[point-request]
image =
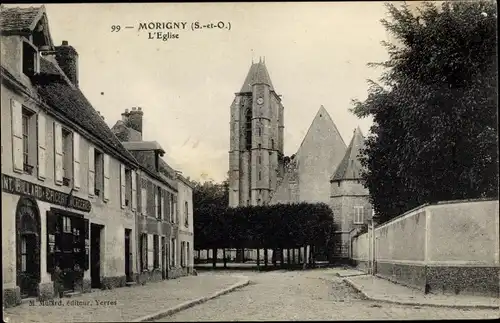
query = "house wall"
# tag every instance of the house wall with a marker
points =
(345, 196)
(109, 214)
(185, 194)
(449, 247)
(148, 223)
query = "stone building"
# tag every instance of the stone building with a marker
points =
(186, 229)
(158, 223)
(256, 140)
(62, 189)
(349, 198)
(309, 170)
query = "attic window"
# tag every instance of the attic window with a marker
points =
(31, 63)
(320, 115)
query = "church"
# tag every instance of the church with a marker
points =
(323, 170)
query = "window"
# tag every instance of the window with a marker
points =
(30, 59)
(99, 173)
(248, 126)
(260, 146)
(182, 253)
(156, 249)
(128, 187)
(172, 253)
(28, 140)
(186, 214)
(159, 199)
(358, 215)
(144, 200)
(260, 175)
(67, 152)
(272, 143)
(188, 254)
(260, 132)
(144, 251)
(24, 254)
(258, 159)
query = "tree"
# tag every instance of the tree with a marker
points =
(435, 110)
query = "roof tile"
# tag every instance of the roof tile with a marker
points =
(71, 102)
(18, 19)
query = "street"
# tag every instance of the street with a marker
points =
(308, 295)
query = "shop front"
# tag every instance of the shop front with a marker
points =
(66, 238)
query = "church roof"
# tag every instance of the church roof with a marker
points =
(350, 166)
(257, 74)
(316, 159)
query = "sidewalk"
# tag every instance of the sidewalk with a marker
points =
(128, 303)
(379, 289)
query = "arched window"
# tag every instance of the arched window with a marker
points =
(186, 214)
(248, 126)
(272, 144)
(260, 132)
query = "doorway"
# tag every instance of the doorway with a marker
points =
(163, 258)
(28, 246)
(128, 256)
(95, 255)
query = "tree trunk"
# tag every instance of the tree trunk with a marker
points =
(224, 257)
(282, 257)
(293, 256)
(300, 257)
(288, 256)
(214, 257)
(266, 255)
(274, 257)
(258, 258)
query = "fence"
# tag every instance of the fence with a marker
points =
(448, 247)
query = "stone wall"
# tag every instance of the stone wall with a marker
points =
(448, 247)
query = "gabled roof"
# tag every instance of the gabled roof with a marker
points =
(322, 113)
(350, 167)
(55, 89)
(257, 74)
(20, 19)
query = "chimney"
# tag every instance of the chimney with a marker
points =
(125, 116)
(67, 58)
(135, 119)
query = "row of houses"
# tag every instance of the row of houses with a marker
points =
(82, 204)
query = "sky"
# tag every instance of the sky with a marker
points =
(316, 54)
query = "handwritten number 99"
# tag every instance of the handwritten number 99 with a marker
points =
(115, 28)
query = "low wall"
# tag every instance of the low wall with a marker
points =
(448, 247)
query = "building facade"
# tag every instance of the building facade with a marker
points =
(349, 200)
(186, 229)
(62, 192)
(159, 226)
(256, 140)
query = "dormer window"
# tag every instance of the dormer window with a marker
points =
(31, 62)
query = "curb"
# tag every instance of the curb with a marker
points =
(351, 275)
(244, 282)
(357, 288)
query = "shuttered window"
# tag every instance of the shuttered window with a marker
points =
(42, 146)
(122, 186)
(58, 154)
(76, 161)
(107, 175)
(134, 190)
(17, 136)
(91, 175)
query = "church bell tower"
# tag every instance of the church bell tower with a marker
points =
(256, 140)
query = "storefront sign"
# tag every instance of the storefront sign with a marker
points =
(21, 187)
